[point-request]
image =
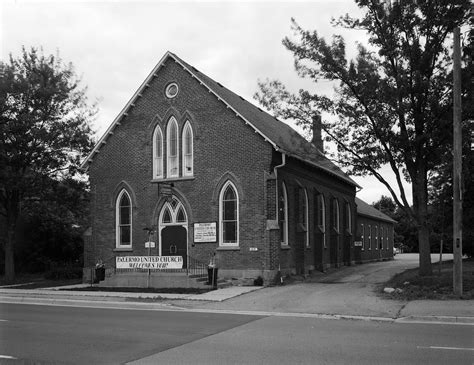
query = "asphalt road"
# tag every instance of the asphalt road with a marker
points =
(36, 334)
(71, 335)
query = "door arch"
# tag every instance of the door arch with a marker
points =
(173, 229)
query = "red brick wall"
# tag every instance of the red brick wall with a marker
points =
(222, 144)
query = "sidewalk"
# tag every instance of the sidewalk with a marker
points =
(348, 292)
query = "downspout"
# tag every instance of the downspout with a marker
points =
(275, 170)
(283, 157)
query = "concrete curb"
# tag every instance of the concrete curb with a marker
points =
(108, 304)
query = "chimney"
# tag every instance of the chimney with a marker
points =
(317, 141)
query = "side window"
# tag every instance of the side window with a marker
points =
(188, 157)
(283, 215)
(157, 153)
(321, 217)
(362, 235)
(229, 215)
(123, 225)
(303, 214)
(370, 236)
(172, 148)
(348, 218)
(335, 215)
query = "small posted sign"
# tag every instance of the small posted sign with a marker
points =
(205, 232)
(357, 243)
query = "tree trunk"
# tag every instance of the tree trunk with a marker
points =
(425, 250)
(420, 207)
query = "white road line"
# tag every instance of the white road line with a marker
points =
(446, 348)
(7, 357)
(3, 320)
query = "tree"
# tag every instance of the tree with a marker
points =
(44, 133)
(393, 101)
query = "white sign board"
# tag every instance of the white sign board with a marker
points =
(149, 262)
(205, 232)
(149, 244)
(358, 243)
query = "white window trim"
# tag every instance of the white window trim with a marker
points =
(172, 121)
(285, 222)
(370, 237)
(306, 218)
(221, 230)
(349, 218)
(376, 237)
(117, 220)
(187, 126)
(337, 217)
(323, 217)
(155, 157)
(362, 238)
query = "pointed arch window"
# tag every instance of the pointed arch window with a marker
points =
(157, 153)
(348, 218)
(123, 214)
(172, 148)
(322, 217)
(283, 215)
(229, 215)
(304, 215)
(187, 140)
(335, 214)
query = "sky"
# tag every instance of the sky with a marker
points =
(114, 45)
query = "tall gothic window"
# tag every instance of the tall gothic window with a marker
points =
(123, 215)
(335, 214)
(172, 148)
(229, 215)
(283, 215)
(157, 153)
(321, 213)
(187, 141)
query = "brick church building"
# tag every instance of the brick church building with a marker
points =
(189, 169)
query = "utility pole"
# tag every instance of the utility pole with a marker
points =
(457, 166)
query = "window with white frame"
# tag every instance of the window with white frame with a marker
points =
(305, 221)
(157, 153)
(386, 237)
(123, 218)
(283, 214)
(321, 206)
(362, 236)
(172, 150)
(376, 237)
(229, 215)
(187, 141)
(335, 214)
(370, 236)
(348, 218)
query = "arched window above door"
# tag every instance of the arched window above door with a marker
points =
(173, 212)
(188, 156)
(157, 153)
(172, 148)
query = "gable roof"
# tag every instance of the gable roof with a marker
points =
(281, 136)
(365, 209)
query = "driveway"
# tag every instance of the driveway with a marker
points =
(344, 291)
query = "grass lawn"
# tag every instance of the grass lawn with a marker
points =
(35, 281)
(409, 285)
